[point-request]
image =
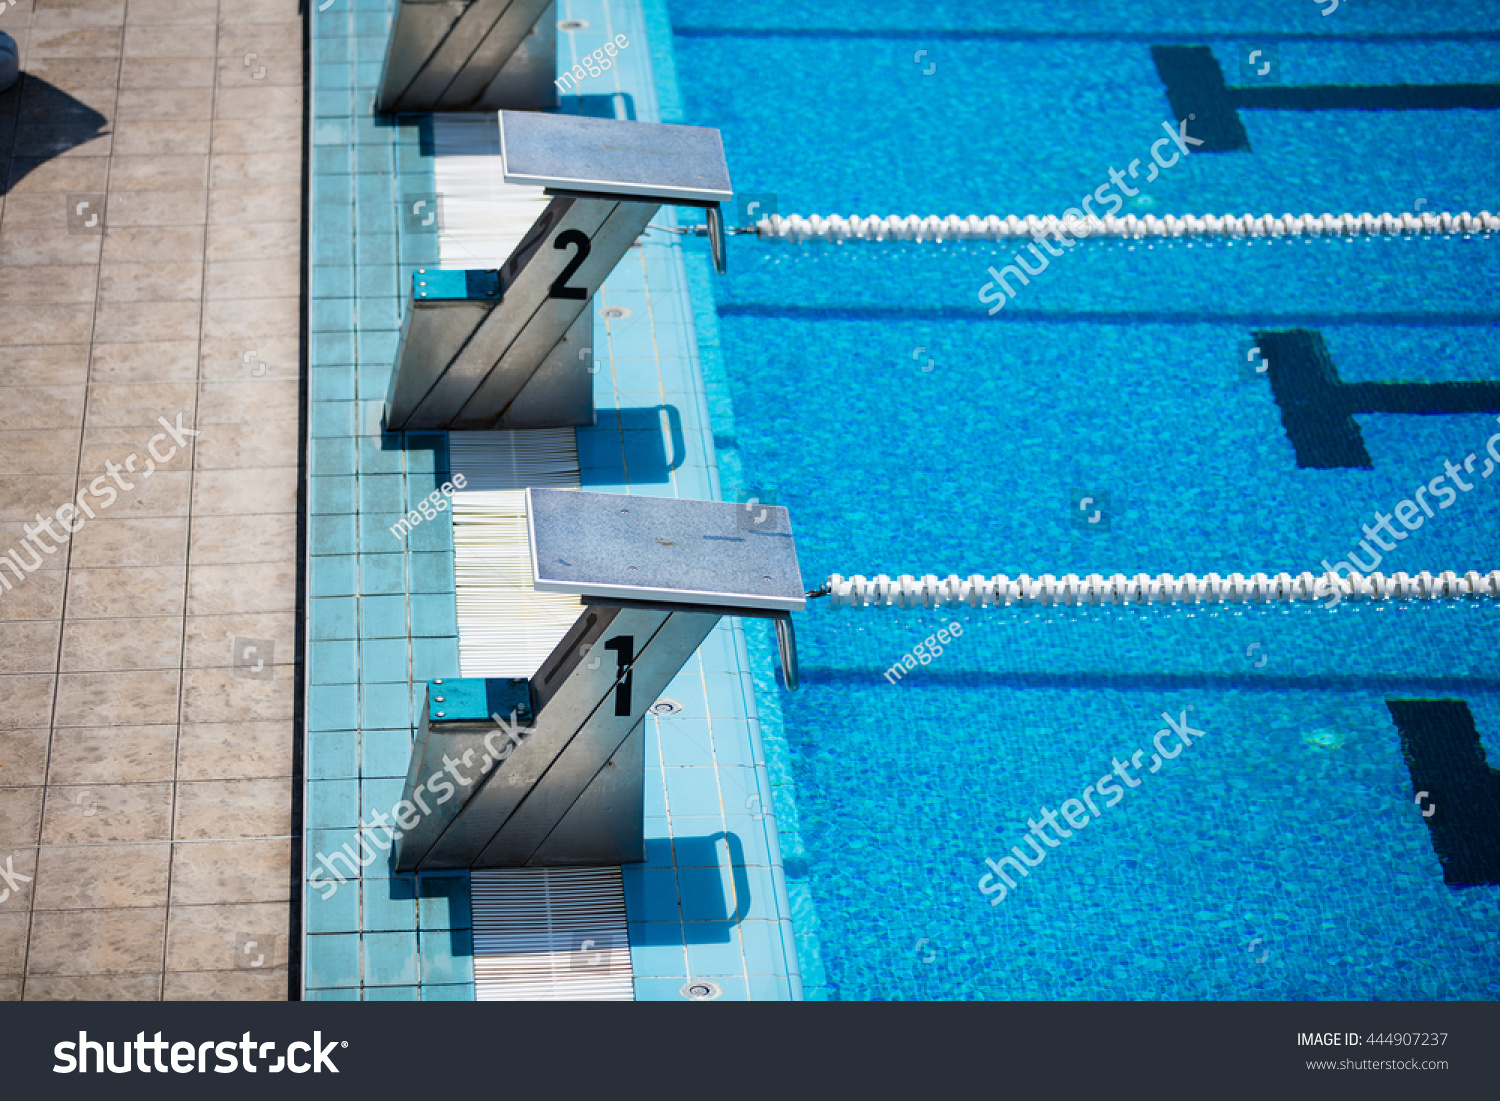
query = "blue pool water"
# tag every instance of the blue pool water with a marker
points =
(1282, 855)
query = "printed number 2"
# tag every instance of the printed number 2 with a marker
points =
(624, 648)
(560, 288)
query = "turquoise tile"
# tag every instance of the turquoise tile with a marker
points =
(380, 493)
(332, 280)
(333, 456)
(333, 755)
(382, 617)
(331, 315)
(379, 794)
(332, 960)
(432, 535)
(433, 657)
(386, 753)
(331, 350)
(332, 803)
(657, 952)
(447, 956)
(383, 660)
(332, 907)
(391, 994)
(333, 617)
(378, 313)
(389, 905)
(726, 695)
(390, 959)
(692, 791)
(373, 381)
(333, 418)
(367, 74)
(375, 248)
(433, 615)
(378, 279)
(332, 707)
(708, 894)
(713, 949)
(650, 893)
(381, 456)
(387, 706)
(333, 494)
(458, 993)
(432, 572)
(382, 574)
(331, 51)
(333, 662)
(333, 574)
(375, 534)
(333, 383)
(770, 988)
(685, 742)
(444, 901)
(332, 534)
(344, 994)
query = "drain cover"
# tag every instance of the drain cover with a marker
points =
(573, 25)
(701, 991)
(664, 707)
(614, 313)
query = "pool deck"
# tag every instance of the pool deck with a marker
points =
(149, 671)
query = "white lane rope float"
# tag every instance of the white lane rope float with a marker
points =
(976, 591)
(955, 228)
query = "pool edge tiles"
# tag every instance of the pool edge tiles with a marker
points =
(380, 937)
(380, 605)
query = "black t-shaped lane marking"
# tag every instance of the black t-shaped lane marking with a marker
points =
(1195, 86)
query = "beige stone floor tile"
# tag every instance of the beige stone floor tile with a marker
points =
(218, 696)
(161, 105)
(42, 452)
(39, 324)
(264, 135)
(133, 592)
(232, 361)
(147, 12)
(41, 407)
(10, 988)
(22, 245)
(83, 78)
(249, 319)
(117, 406)
(206, 938)
(140, 139)
(247, 587)
(116, 542)
(250, 403)
(12, 533)
(105, 699)
(220, 872)
(58, 176)
(181, 173)
(20, 816)
(252, 279)
(222, 540)
(247, 447)
(22, 496)
(117, 645)
(237, 35)
(44, 365)
(167, 72)
(258, 101)
(282, 171)
(23, 756)
(257, 242)
(42, 140)
(246, 750)
(14, 927)
(148, 360)
(95, 877)
(188, 39)
(46, 285)
(103, 444)
(95, 814)
(157, 244)
(146, 321)
(30, 646)
(97, 942)
(80, 13)
(40, 596)
(144, 987)
(74, 42)
(113, 754)
(264, 984)
(129, 209)
(16, 896)
(243, 492)
(211, 639)
(229, 809)
(282, 69)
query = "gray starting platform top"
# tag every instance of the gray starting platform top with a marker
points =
(614, 157)
(666, 549)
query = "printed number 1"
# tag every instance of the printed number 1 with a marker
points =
(578, 238)
(624, 648)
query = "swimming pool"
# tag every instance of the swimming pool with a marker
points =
(1282, 854)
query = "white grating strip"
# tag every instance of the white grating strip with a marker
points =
(505, 627)
(483, 218)
(550, 934)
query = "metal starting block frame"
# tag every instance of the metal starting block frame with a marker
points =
(522, 356)
(470, 55)
(561, 781)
